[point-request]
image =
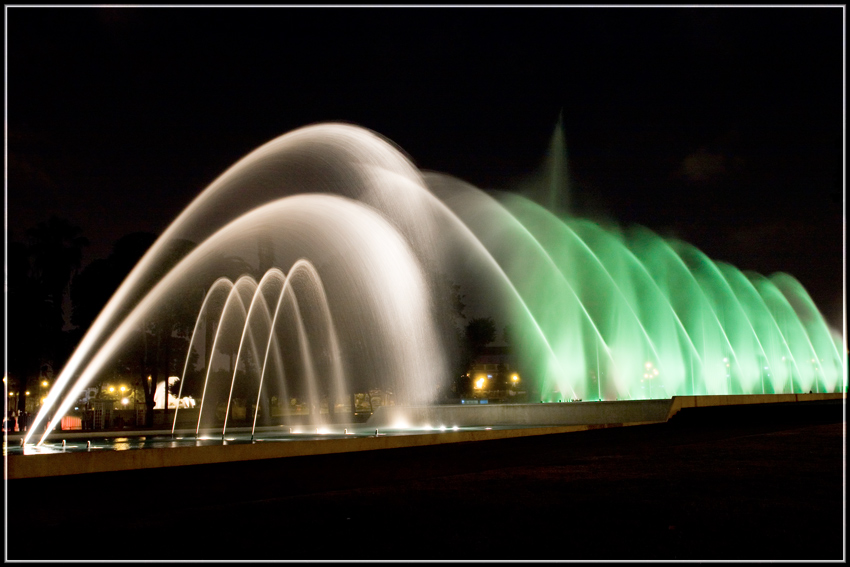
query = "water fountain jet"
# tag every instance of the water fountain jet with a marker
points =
(350, 213)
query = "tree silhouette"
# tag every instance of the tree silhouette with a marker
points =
(38, 276)
(479, 333)
(159, 347)
(55, 249)
(93, 287)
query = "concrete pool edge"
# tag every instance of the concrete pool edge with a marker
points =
(46, 465)
(679, 403)
(59, 464)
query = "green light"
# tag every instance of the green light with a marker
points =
(651, 317)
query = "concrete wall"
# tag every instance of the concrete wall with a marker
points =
(568, 413)
(681, 402)
(552, 418)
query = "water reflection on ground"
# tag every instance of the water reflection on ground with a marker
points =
(78, 442)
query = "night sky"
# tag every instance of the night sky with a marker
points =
(722, 127)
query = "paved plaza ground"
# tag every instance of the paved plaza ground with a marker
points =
(748, 483)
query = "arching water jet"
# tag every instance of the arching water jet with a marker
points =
(601, 314)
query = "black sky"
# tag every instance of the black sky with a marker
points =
(721, 126)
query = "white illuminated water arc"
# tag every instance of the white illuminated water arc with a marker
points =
(374, 236)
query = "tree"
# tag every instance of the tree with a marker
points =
(55, 249)
(449, 317)
(23, 321)
(96, 284)
(39, 273)
(508, 335)
(168, 332)
(160, 345)
(479, 333)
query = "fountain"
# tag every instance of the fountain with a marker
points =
(338, 250)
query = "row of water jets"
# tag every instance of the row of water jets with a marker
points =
(355, 247)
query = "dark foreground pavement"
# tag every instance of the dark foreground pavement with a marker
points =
(758, 482)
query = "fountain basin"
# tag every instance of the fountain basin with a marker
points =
(596, 414)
